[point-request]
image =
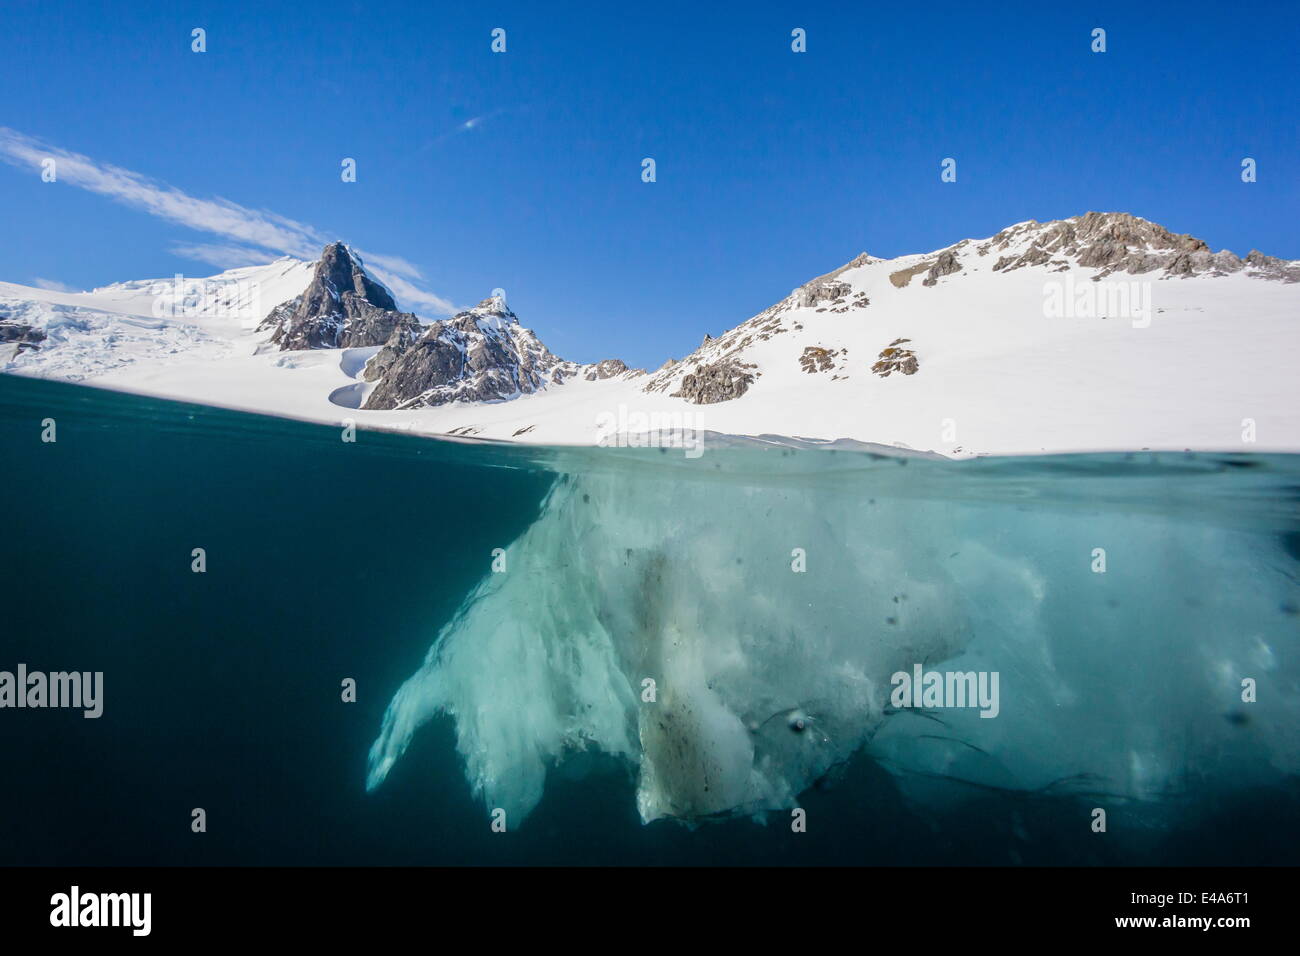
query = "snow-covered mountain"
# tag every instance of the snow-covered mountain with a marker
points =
(1103, 331)
(480, 355)
(341, 307)
(142, 324)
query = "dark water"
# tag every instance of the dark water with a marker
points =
(328, 560)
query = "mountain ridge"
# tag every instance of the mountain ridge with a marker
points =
(876, 350)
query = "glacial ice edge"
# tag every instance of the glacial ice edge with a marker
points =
(766, 675)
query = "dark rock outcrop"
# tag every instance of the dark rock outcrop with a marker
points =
(480, 355)
(720, 382)
(895, 359)
(945, 265)
(404, 335)
(1268, 267)
(607, 368)
(827, 288)
(23, 337)
(822, 291)
(1114, 242)
(341, 308)
(817, 359)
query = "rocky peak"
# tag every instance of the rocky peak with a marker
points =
(495, 304)
(1101, 242)
(827, 288)
(482, 354)
(945, 265)
(1120, 242)
(608, 368)
(341, 271)
(478, 355)
(342, 307)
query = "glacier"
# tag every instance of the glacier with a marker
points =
(1110, 323)
(729, 628)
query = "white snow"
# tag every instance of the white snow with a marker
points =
(997, 375)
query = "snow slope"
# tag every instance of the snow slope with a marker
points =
(1199, 353)
(147, 323)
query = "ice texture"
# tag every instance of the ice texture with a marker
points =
(1126, 683)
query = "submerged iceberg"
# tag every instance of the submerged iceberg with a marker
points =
(734, 627)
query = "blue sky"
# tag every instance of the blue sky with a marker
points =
(523, 170)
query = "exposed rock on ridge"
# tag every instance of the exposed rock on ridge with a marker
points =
(480, 355)
(342, 307)
(20, 335)
(714, 372)
(896, 359)
(1119, 242)
(719, 382)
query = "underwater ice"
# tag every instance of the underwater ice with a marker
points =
(766, 677)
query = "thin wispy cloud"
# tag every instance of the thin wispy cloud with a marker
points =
(408, 293)
(223, 256)
(251, 233)
(473, 123)
(53, 285)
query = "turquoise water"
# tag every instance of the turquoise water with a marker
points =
(521, 690)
